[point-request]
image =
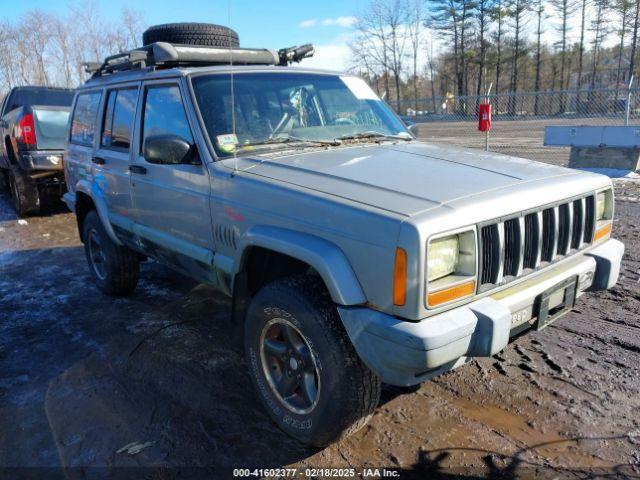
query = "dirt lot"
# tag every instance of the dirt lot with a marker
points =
(522, 138)
(83, 375)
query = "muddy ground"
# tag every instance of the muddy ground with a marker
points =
(83, 375)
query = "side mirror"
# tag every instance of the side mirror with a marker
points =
(169, 150)
(413, 129)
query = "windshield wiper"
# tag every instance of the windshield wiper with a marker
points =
(372, 134)
(274, 141)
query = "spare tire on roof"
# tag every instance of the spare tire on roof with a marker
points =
(207, 34)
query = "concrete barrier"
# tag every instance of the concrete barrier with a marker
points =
(615, 147)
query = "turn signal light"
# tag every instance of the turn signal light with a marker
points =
(451, 293)
(602, 232)
(400, 278)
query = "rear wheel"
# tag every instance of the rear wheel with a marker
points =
(192, 34)
(303, 365)
(25, 194)
(115, 269)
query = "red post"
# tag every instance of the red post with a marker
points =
(484, 117)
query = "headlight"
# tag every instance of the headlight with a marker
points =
(443, 257)
(604, 214)
(604, 206)
(451, 267)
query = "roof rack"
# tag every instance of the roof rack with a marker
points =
(168, 55)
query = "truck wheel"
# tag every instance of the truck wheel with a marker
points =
(115, 269)
(303, 365)
(192, 34)
(25, 195)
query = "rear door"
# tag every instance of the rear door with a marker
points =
(171, 201)
(113, 155)
(82, 136)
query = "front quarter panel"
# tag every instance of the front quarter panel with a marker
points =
(348, 240)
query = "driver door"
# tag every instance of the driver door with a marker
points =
(171, 202)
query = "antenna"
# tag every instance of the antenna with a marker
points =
(233, 100)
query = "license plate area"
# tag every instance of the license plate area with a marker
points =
(555, 302)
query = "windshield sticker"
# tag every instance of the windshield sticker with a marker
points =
(227, 142)
(359, 88)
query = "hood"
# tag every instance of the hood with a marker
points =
(403, 178)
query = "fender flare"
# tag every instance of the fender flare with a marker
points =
(325, 257)
(92, 190)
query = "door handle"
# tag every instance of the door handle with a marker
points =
(98, 160)
(139, 169)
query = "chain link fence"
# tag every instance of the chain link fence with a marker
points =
(519, 119)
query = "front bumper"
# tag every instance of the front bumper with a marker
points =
(406, 353)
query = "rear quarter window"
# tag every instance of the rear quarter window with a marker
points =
(83, 123)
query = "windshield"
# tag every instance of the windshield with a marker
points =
(276, 109)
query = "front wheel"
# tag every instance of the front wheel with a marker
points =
(303, 365)
(115, 268)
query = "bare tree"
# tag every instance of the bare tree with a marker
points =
(372, 41)
(35, 32)
(622, 7)
(634, 37)
(519, 10)
(483, 17)
(599, 26)
(499, 15)
(583, 14)
(415, 29)
(63, 39)
(384, 33)
(564, 8)
(540, 16)
(363, 61)
(396, 19)
(452, 19)
(431, 75)
(133, 26)
(42, 48)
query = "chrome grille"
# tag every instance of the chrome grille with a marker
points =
(590, 223)
(511, 247)
(517, 246)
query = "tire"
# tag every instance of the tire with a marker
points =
(115, 269)
(25, 194)
(192, 34)
(347, 392)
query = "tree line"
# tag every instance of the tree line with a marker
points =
(407, 49)
(42, 48)
(412, 49)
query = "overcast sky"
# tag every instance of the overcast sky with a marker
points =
(261, 23)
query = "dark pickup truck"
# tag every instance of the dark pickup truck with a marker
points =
(33, 128)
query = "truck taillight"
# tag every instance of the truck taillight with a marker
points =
(26, 131)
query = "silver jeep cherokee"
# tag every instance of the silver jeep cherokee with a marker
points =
(354, 254)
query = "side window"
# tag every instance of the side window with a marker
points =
(83, 125)
(164, 113)
(118, 118)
